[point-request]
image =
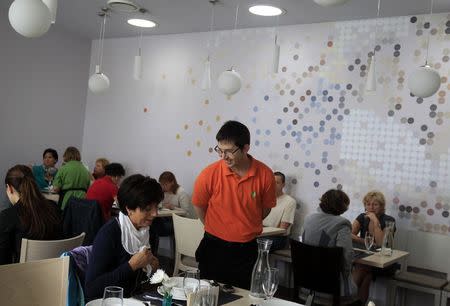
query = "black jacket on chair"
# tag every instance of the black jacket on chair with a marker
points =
(81, 215)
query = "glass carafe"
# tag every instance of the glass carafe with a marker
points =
(260, 267)
(388, 240)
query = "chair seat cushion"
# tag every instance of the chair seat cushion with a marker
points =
(189, 261)
(421, 280)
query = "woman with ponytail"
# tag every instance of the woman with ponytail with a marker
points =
(31, 216)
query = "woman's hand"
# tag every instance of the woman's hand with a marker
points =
(141, 259)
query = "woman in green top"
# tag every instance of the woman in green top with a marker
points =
(72, 179)
(44, 174)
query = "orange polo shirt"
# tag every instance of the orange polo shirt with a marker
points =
(234, 205)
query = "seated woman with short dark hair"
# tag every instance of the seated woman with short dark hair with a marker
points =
(121, 248)
(328, 229)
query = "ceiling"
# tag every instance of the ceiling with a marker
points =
(186, 16)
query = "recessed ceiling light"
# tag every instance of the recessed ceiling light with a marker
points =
(266, 10)
(142, 23)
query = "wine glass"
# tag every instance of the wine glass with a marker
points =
(270, 282)
(368, 241)
(191, 281)
(112, 296)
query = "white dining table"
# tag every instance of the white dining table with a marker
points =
(272, 231)
(375, 259)
(165, 212)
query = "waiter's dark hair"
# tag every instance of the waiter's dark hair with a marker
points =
(235, 132)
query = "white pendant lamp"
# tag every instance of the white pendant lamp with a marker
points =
(99, 82)
(137, 68)
(424, 81)
(206, 78)
(52, 6)
(229, 82)
(371, 82)
(330, 2)
(29, 18)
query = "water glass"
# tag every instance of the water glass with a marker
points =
(368, 241)
(112, 296)
(270, 282)
(191, 281)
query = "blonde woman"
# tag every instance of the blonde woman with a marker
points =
(373, 220)
(99, 169)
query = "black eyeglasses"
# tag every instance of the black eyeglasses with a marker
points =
(228, 153)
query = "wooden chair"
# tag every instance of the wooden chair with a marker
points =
(43, 249)
(188, 234)
(318, 269)
(37, 283)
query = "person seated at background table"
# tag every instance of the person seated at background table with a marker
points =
(174, 194)
(99, 168)
(282, 215)
(44, 174)
(121, 248)
(72, 179)
(373, 220)
(104, 190)
(328, 228)
(31, 216)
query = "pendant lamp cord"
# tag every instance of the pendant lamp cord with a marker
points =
(211, 29)
(236, 17)
(102, 39)
(140, 42)
(376, 24)
(429, 34)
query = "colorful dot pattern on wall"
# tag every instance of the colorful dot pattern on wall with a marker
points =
(316, 122)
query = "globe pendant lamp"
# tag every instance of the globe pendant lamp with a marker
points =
(29, 18)
(99, 82)
(229, 82)
(52, 6)
(424, 81)
(330, 2)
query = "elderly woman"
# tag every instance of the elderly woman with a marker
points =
(100, 167)
(373, 220)
(44, 174)
(121, 251)
(329, 229)
(72, 179)
(31, 216)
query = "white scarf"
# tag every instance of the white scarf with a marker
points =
(134, 240)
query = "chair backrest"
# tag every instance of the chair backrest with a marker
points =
(317, 268)
(38, 283)
(188, 234)
(81, 215)
(43, 249)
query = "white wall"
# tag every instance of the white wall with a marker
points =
(305, 121)
(43, 84)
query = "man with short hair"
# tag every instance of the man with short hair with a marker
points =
(282, 215)
(231, 197)
(104, 190)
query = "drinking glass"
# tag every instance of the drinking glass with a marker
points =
(270, 282)
(368, 241)
(191, 281)
(112, 296)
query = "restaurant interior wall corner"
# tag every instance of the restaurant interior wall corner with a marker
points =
(43, 94)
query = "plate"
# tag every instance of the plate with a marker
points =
(178, 290)
(126, 302)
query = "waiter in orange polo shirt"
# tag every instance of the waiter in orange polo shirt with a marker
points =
(231, 197)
